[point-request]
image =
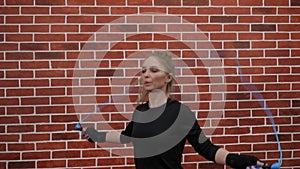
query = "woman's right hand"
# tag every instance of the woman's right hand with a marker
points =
(92, 135)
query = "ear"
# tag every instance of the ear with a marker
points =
(169, 78)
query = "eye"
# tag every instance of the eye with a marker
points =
(154, 69)
(144, 70)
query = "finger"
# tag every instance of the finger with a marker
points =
(260, 163)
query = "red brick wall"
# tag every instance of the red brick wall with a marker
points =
(50, 75)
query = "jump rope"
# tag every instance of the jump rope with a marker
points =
(258, 96)
(248, 86)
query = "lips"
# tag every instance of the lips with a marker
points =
(147, 83)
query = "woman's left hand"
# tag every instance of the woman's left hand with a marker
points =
(259, 165)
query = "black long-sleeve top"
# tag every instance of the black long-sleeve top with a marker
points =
(159, 135)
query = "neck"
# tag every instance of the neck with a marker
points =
(157, 98)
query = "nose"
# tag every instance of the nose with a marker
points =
(146, 73)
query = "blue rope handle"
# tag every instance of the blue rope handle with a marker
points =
(250, 87)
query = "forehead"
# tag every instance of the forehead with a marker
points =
(152, 61)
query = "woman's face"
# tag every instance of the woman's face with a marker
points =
(154, 75)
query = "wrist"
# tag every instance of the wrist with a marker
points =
(240, 161)
(95, 135)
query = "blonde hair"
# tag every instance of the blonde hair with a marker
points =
(165, 58)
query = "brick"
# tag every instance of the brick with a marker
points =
(34, 83)
(182, 10)
(124, 10)
(35, 137)
(51, 164)
(21, 164)
(19, 110)
(276, 3)
(50, 146)
(288, 27)
(289, 44)
(50, 19)
(239, 11)
(105, 73)
(19, 74)
(224, 2)
(223, 19)
(125, 45)
(20, 129)
(35, 155)
(95, 10)
(80, 19)
(265, 10)
(9, 138)
(250, 3)
(265, 27)
(64, 136)
(225, 140)
(250, 36)
(9, 28)
(20, 2)
(81, 162)
(19, 19)
(139, 2)
(295, 3)
(80, 145)
(34, 10)
(64, 46)
(264, 44)
(276, 36)
(211, 10)
(9, 10)
(19, 92)
(110, 2)
(64, 28)
(167, 2)
(154, 45)
(20, 146)
(196, 19)
(35, 28)
(19, 55)
(50, 127)
(195, 3)
(19, 37)
(49, 55)
(277, 53)
(66, 154)
(35, 65)
(75, 2)
(242, 45)
(223, 36)
(276, 19)
(111, 161)
(35, 119)
(152, 10)
(52, 2)
(8, 65)
(34, 46)
(10, 156)
(64, 10)
(290, 10)
(8, 46)
(35, 101)
(250, 19)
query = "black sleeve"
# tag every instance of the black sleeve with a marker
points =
(201, 143)
(126, 134)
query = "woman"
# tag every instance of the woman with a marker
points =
(161, 126)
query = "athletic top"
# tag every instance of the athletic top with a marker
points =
(159, 135)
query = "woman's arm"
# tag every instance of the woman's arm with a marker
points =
(220, 157)
(113, 137)
(235, 160)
